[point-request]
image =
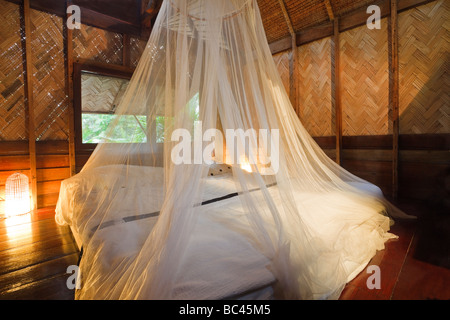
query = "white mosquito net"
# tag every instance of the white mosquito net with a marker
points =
(226, 193)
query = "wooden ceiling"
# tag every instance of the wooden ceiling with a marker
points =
(302, 14)
(307, 20)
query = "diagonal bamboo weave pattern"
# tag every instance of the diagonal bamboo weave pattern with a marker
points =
(49, 97)
(98, 45)
(364, 71)
(314, 85)
(12, 103)
(282, 62)
(101, 94)
(424, 62)
(137, 47)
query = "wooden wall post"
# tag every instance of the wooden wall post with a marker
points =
(336, 90)
(29, 101)
(292, 60)
(126, 50)
(68, 44)
(293, 84)
(394, 92)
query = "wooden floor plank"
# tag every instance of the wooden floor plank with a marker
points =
(426, 274)
(422, 281)
(35, 253)
(19, 235)
(52, 288)
(390, 261)
(56, 248)
(13, 281)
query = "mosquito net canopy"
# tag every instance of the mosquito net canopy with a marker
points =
(227, 193)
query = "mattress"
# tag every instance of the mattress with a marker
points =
(235, 256)
(241, 270)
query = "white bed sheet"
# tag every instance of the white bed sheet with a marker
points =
(241, 269)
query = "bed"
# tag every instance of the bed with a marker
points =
(242, 271)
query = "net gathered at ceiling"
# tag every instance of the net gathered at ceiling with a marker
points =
(228, 193)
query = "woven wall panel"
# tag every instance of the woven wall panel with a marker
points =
(314, 87)
(137, 47)
(48, 69)
(424, 61)
(97, 45)
(282, 62)
(12, 102)
(364, 71)
(100, 93)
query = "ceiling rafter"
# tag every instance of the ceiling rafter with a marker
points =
(329, 9)
(286, 17)
(150, 11)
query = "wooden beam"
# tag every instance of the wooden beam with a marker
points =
(148, 14)
(293, 84)
(329, 9)
(349, 21)
(292, 58)
(315, 33)
(126, 50)
(359, 17)
(286, 17)
(91, 64)
(110, 16)
(29, 100)
(103, 21)
(68, 46)
(394, 92)
(336, 90)
(403, 5)
(151, 10)
(281, 45)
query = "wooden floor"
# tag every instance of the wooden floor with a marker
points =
(34, 256)
(35, 253)
(414, 267)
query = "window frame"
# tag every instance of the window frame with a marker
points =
(79, 68)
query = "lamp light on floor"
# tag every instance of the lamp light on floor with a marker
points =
(17, 195)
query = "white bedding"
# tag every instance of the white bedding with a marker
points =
(232, 257)
(241, 270)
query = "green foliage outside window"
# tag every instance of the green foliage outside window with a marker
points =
(130, 128)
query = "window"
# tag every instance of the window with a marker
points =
(100, 97)
(98, 91)
(129, 129)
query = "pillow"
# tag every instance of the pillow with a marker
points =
(217, 169)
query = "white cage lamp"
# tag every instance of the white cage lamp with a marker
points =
(17, 195)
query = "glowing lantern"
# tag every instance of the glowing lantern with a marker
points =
(17, 195)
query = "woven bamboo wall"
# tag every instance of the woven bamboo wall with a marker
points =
(137, 47)
(365, 81)
(97, 45)
(12, 104)
(424, 58)
(101, 94)
(282, 62)
(48, 69)
(48, 82)
(314, 87)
